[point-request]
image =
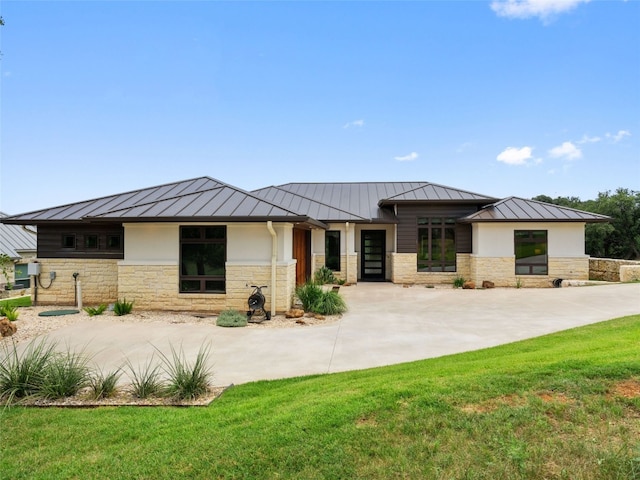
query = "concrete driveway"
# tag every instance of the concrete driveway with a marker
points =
(386, 324)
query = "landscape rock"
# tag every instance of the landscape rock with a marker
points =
(469, 285)
(294, 313)
(7, 328)
(488, 284)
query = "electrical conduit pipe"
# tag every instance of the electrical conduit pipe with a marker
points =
(274, 258)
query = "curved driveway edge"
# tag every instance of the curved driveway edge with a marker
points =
(386, 324)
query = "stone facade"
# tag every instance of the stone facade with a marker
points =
(404, 270)
(98, 279)
(155, 286)
(610, 269)
(319, 262)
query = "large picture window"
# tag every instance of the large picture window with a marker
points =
(531, 252)
(203, 253)
(436, 244)
(332, 250)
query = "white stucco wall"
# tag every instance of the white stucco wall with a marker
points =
(158, 243)
(317, 238)
(497, 239)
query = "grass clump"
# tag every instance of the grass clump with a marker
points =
(22, 375)
(315, 299)
(9, 311)
(231, 318)
(122, 307)
(324, 276)
(99, 310)
(145, 380)
(458, 282)
(187, 380)
(64, 375)
(104, 385)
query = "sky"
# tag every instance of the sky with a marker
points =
(498, 97)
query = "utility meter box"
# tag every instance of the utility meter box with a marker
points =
(34, 268)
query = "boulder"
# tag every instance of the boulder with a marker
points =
(469, 285)
(488, 284)
(294, 313)
(7, 328)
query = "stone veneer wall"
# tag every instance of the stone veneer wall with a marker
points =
(98, 279)
(404, 270)
(155, 287)
(609, 269)
(319, 262)
(501, 271)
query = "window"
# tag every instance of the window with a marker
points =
(113, 242)
(68, 241)
(332, 250)
(203, 253)
(91, 241)
(436, 244)
(531, 252)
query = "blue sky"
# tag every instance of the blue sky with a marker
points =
(513, 97)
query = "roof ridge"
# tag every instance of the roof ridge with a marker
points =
(540, 202)
(427, 184)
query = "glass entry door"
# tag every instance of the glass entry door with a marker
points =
(373, 248)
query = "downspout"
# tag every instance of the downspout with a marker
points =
(274, 258)
(346, 252)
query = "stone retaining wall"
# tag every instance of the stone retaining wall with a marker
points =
(611, 270)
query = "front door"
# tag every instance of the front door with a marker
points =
(302, 253)
(373, 248)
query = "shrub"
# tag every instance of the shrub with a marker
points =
(122, 307)
(104, 386)
(331, 303)
(309, 294)
(21, 375)
(458, 282)
(99, 310)
(324, 276)
(145, 381)
(187, 381)
(64, 375)
(231, 318)
(9, 311)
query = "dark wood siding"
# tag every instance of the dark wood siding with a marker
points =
(408, 224)
(51, 241)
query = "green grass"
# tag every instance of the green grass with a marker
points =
(541, 408)
(17, 302)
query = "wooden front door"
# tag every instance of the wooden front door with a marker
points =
(373, 248)
(302, 253)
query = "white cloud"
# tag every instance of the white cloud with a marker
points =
(588, 139)
(616, 137)
(567, 151)
(354, 124)
(407, 158)
(543, 9)
(515, 156)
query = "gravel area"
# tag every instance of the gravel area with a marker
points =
(31, 325)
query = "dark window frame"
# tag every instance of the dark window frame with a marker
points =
(332, 254)
(207, 236)
(440, 231)
(68, 239)
(92, 241)
(530, 245)
(110, 245)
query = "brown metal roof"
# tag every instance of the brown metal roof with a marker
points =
(514, 209)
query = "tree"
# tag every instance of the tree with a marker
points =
(618, 239)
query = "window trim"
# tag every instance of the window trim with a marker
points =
(202, 240)
(518, 241)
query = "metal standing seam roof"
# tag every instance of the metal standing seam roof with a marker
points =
(433, 192)
(15, 239)
(515, 209)
(196, 199)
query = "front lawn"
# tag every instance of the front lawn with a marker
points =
(565, 405)
(24, 301)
